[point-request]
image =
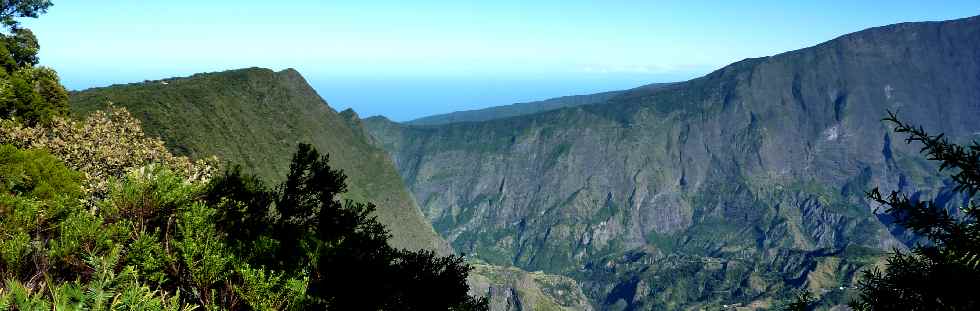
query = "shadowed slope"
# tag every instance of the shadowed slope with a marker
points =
(731, 188)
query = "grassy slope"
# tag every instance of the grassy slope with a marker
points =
(256, 117)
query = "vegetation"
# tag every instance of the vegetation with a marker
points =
(102, 147)
(96, 215)
(28, 93)
(255, 117)
(160, 241)
(11, 10)
(300, 229)
(937, 275)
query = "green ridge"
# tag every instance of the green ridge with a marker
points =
(256, 117)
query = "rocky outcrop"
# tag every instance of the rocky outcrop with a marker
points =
(730, 188)
(513, 289)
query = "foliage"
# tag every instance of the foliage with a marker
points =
(22, 48)
(103, 146)
(27, 93)
(35, 174)
(304, 227)
(934, 276)
(10, 10)
(157, 241)
(48, 242)
(268, 290)
(106, 290)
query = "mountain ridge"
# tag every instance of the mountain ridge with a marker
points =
(758, 167)
(517, 109)
(270, 112)
(440, 119)
(252, 116)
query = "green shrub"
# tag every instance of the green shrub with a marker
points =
(14, 249)
(201, 250)
(262, 289)
(149, 256)
(36, 174)
(22, 298)
(36, 192)
(104, 146)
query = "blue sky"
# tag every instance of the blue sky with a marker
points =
(407, 59)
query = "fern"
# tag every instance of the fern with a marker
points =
(24, 299)
(66, 296)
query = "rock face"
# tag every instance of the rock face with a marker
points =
(727, 189)
(256, 117)
(513, 289)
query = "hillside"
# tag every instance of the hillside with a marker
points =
(520, 109)
(513, 289)
(513, 110)
(256, 117)
(729, 189)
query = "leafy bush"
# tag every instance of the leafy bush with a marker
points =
(35, 174)
(36, 192)
(104, 146)
(46, 231)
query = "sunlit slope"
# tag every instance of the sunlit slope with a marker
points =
(256, 117)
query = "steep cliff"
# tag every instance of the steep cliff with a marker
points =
(727, 189)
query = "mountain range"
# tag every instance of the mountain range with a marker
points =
(728, 189)
(731, 189)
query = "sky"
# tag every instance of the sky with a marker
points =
(409, 59)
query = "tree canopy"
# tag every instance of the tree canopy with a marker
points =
(28, 92)
(342, 245)
(11, 10)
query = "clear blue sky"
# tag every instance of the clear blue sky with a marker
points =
(407, 59)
